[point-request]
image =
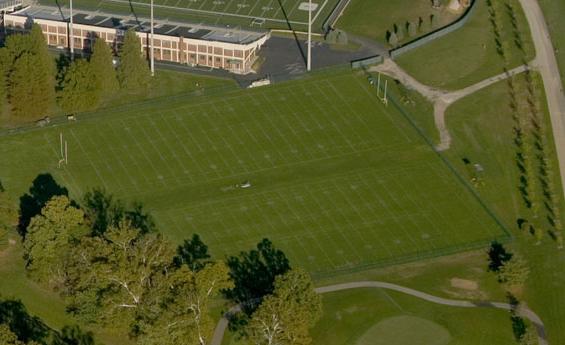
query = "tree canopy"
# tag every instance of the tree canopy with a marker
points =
(254, 274)
(80, 91)
(286, 316)
(193, 253)
(103, 68)
(133, 70)
(48, 239)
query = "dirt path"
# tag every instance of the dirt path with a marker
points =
(524, 312)
(441, 99)
(546, 63)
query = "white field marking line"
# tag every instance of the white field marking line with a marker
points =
(405, 214)
(203, 11)
(306, 130)
(177, 3)
(354, 208)
(246, 146)
(433, 226)
(285, 201)
(344, 120)
(385, 111)
(438, 215)
(327, 215)
(409, 199)
(338, 228)
(120, 159)
(285, 186)
(204, 4)
(283, 117)
(172, 149)
(320, 9)
(188, 132)
(278, 9)
(89, 160)
(252, 9)
(308, 252)
(373, 201)
(180, 141)
(142, 151)
(215, 150)
(309, 113)
(387, 212)
(156, 149)
(282, 135)
(227, 144)
(271, 3)
(364, 116)
(117, 138)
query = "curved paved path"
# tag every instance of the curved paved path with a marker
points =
(441, 99)
(523, 311)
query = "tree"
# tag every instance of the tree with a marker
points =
(497, 256)
(42, 189)
(514, 272)
(193, 253)
(7, 337)
(73, 335)
(103, 211)
(111, 275)
(101, 62)
(393, 39)
(285, 317)
(254, 274)
(31, 74)
(133, 71)
(399, 31)
(79, 91)
(184, 317)
(49, 238)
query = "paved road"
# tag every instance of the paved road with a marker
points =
(522, 311)
(547, 64)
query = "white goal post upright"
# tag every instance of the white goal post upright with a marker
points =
(61, 140)
(309, 62)
(66, 153)
(383, 99)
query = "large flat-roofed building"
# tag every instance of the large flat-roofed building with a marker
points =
(234, 50)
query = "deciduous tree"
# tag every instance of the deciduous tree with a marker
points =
(185, 316)
(193, 253)
(49, 239)
(286, 316)
(514, 272)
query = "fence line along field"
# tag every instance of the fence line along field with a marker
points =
(255, 13)
(319, 166)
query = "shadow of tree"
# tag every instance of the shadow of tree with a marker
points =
(26, 327)
(42, 189)
(73, 335)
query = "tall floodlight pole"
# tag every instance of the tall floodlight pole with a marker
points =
(151, 51)
(72, 34)
(309, 62)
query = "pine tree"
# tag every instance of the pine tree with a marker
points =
(133, 71)
(103, 72)
(79, 92)
(412, 29)
(30, 74)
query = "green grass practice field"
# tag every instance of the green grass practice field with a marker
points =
(338, 180)
(254, 13)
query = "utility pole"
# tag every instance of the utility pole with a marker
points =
(309, 62)
(72, 33)
(151, 51)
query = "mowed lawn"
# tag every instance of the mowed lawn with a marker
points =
(338, 180)
(257, 13)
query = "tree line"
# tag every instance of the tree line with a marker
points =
(114, 269)
(33, 82)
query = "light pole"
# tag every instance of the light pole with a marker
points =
(309, 62)
(151, 51)
(71, 34)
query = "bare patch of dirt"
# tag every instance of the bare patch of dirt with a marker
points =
(464, 284)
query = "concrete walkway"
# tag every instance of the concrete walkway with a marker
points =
(441, 99)
(546, 63)
(523, 311)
